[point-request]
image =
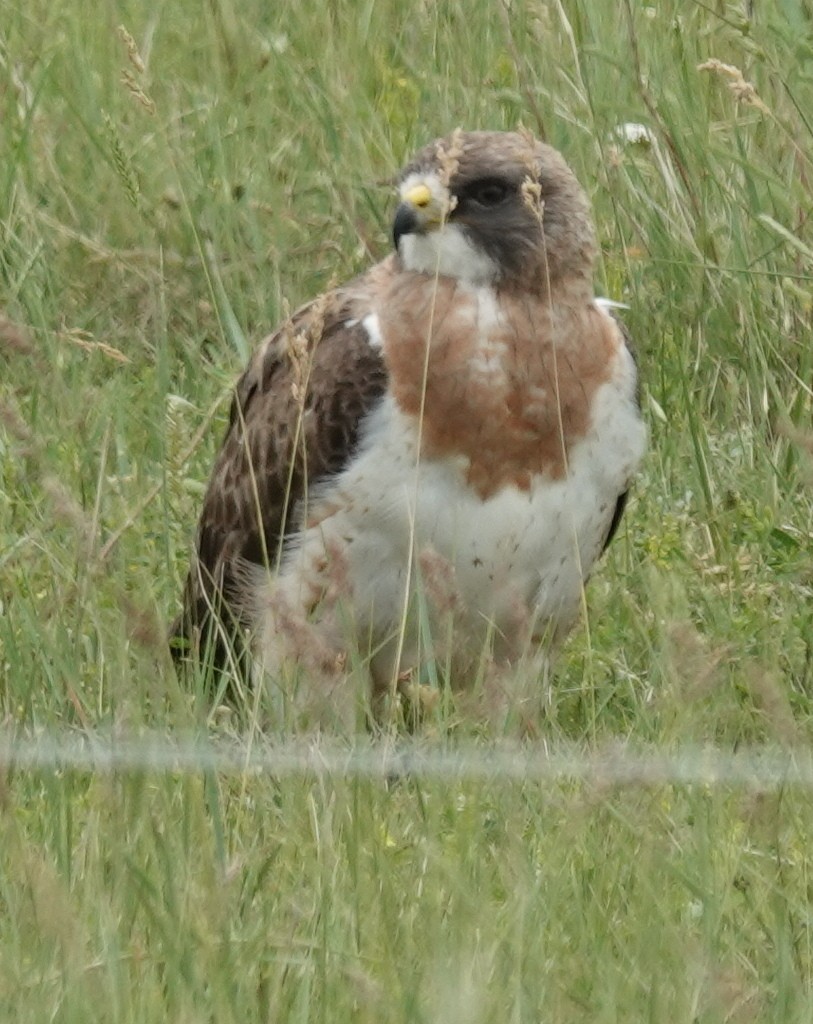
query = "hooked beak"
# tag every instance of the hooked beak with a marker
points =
(416, 213)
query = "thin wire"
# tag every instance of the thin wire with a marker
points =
(763, 769)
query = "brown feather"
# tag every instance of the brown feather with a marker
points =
(498, 382)
(294, 420)
(513, 416)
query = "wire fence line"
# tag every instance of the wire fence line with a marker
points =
(762, 769)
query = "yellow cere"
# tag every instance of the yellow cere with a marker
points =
(418, 195)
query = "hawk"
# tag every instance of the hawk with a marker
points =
(439, 450)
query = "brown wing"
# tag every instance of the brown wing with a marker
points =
(294, 419)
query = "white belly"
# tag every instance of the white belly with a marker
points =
(516, 554)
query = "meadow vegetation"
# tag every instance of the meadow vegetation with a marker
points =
(167, 192)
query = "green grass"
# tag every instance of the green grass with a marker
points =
(146, 242)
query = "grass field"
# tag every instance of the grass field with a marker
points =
(163, 202)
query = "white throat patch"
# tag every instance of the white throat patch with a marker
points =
(448, 251)
(442, 247)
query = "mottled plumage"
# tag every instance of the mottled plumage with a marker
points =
(466, 409)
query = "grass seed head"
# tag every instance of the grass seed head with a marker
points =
(132, 49)
(744, 91)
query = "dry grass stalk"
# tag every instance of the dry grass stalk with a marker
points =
(130, 83)
(68, 511)
(744, 91)
(449, 160)
(84, 340)
(770, 697)
(16, 426)
(693, 661)
(129, 78)
(532, 197)
(132, 49)
(300, 342)
(14, 337)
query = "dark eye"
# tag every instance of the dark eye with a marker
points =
(488, 193)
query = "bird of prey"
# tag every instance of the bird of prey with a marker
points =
(440, 449)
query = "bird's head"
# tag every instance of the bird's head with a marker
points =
(493, 207)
